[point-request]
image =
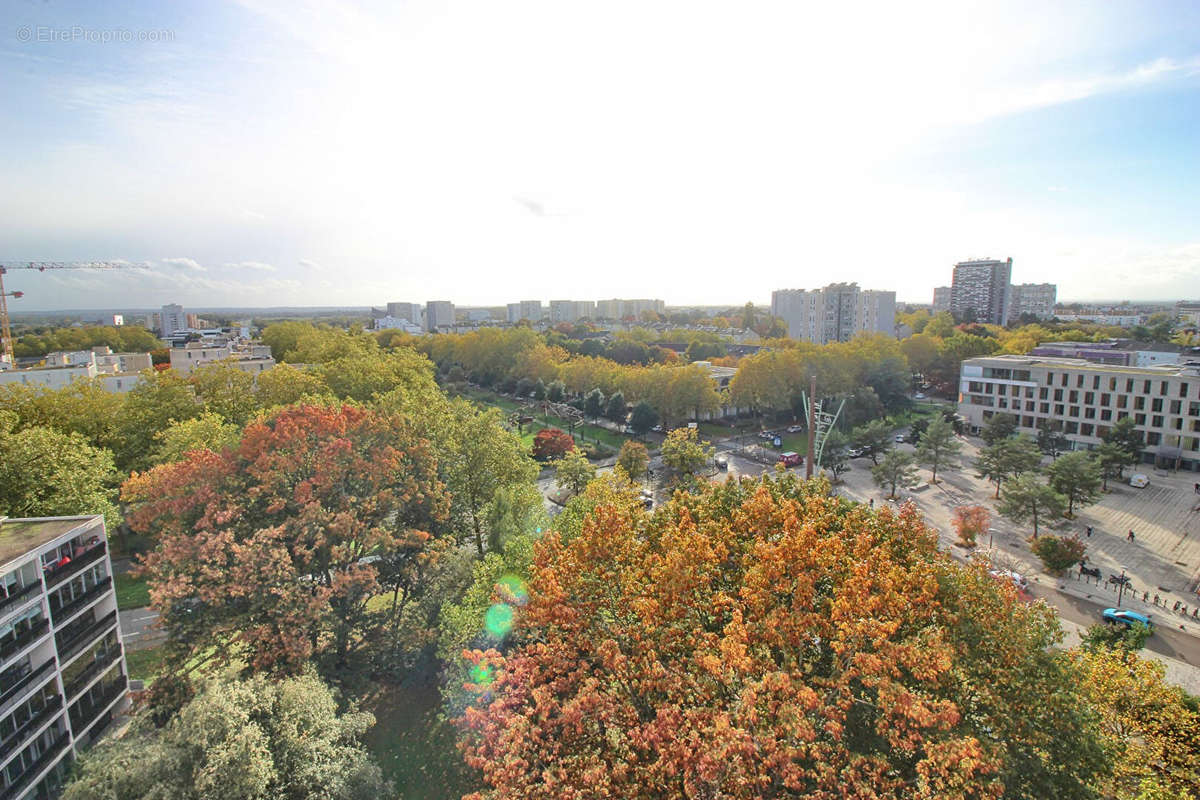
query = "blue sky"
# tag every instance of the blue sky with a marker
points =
(261, 153)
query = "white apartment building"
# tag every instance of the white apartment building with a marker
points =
(618, 309)
(398, 323)
(409, 311)
(439, 314)
(982, 287)
(1083, 399)
(171, 320)
(1119, 320)
(62, 665)
(253, 358)
(572, 310)
(525, 309)
(103, 357)
(119, 371)
(1037, 299)
(836, 313)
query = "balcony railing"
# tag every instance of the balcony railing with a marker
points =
(85, 712)
(63, 612)
(69, 648)
(14, 646)
(21, 736)
(23, 683)
(48, 757)
(19, 596)
(76, 565)
(102, 662)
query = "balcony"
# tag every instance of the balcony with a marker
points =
(52, 754)
(23, 683)
(76, 565)
(37, 721)
(18, 597)
(86, 712)
(14, 646)
(69, 648)
(102, 662)
(64, 612)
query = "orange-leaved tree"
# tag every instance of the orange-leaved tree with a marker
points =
(766, 640)
(269, 551)
(970, 522)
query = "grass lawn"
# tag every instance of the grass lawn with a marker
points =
(144, 664)
(132, 592)
(412, 746)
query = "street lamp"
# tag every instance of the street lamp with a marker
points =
(1121, 586)
(990, 532)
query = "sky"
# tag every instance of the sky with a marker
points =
(258, 153)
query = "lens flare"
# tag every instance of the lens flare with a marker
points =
(514, 588)
(499, 619)
(481, 674)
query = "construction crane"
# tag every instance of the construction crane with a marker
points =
(6, 340)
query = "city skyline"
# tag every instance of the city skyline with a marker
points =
(300, 155)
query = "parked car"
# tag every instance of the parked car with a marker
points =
(901, 438)
(657, 429)
(722, 462)
(794, 429)
(919, 396)
(647, 498)
(1139, 480)
(1017, 579)
(791, 459)
(1125, 617)
(855, 452)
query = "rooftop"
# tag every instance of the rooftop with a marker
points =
(1157, 370)
(19, 536)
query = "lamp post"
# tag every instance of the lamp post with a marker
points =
(990, 532)
(1121, 587)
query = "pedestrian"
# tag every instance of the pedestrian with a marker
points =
(1089, 531)
(1194, 613)
(1197, 488)
(871, 503)
(1131, 534)
(1145, 596)
(1176, 606)
(1156, 598)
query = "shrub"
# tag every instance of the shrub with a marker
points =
(552, 444)
(1058, 553)
(970, 522)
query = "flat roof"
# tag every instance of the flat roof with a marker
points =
(19, 536)
(1155, 370)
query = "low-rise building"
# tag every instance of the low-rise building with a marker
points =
(120, 371)
(1083, 399)
(62, 666)
(1119, 352)
(251, 357)
(398, 323)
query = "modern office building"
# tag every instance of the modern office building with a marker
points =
(835, 313)
(982, 289)
(171, 320)
(62, 666)
(439, 314)
(941, 299)
(1083, 399)
(1037, 299)
(526, 309)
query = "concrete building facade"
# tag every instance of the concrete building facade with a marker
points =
(171, 320)
(253, 358)
(525, 309)
(409, 311)
(1083, 400)
(983, 288)
(572, 310)
(941, 299)
(62, 664)
(1037, 299)
(439, 314)
(835, 313)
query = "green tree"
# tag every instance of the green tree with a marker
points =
(1058, 553)
(574, 472)
(205, 432)
(1076, 475)
(1000, 426)
(876, 436)
(938, 447)
(1112, 461)
(895, 470)
(634, 458)
(1126, 638)
(283, 385)
(156, 401)
(1126, 439)
(225, 389)
(45, 473)
(1027, 499)
(251, 739)
(593, 404)
(684, 453)
(643, 418)
(833, 456)
(616, 409)
(1052, 441)
(556, 391)
(84, 407)
(1007, 457)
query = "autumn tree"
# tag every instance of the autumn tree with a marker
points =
(155, 402)
(1006, 458)
(1076, 476)
(896, 470)
(1027, 498)
(551, 444)
(939, 446)
(970, 522)
(634, 459)
(1058, 553)
(283, 385)
(85, 407)
(46, 473)
(250, 739)
(684, 453)
(767, 640)
(263, 550)
(573, 472)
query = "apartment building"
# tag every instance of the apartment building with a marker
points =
(409, 311)
(1083, 399)
(525, 309)
(189, 356)
(835, 313)
(118, 371)
(62, 666)
(572, 310)
(1037, 299)
(982, 288)
(617, 309)
(171, 320)
(439, 314)
(941, 299)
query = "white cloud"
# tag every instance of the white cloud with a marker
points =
(183, 263)
(257, 266)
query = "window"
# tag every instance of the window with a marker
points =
(1156, 422)
(1106, 415)
(1106, 399)
(1095, 381)
(1074, 411)
(1089, 398)
(1043, 408)
(1043, 393)
(1156, 405)
(1071, 427)
(1078, 381)
(1153, 438)
(1058, 409)
(1139, 419)
(1162, 389)
(1122, 400)
(1058, 394)
(1129, 384)
(1146, 387)
(1072, 396)
(1176, 406)
(1183, 390)
(1089, 413)
(1139, 403)
(1086, 429)
(1112, 384)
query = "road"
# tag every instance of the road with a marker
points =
(137, 628)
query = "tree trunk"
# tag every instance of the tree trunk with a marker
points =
(1035, 522)
(996, 496)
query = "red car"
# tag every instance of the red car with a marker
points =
(791, 459)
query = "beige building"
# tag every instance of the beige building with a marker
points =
(253, 358)
(836, 313)
(1037, 299)
(1083, 399)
